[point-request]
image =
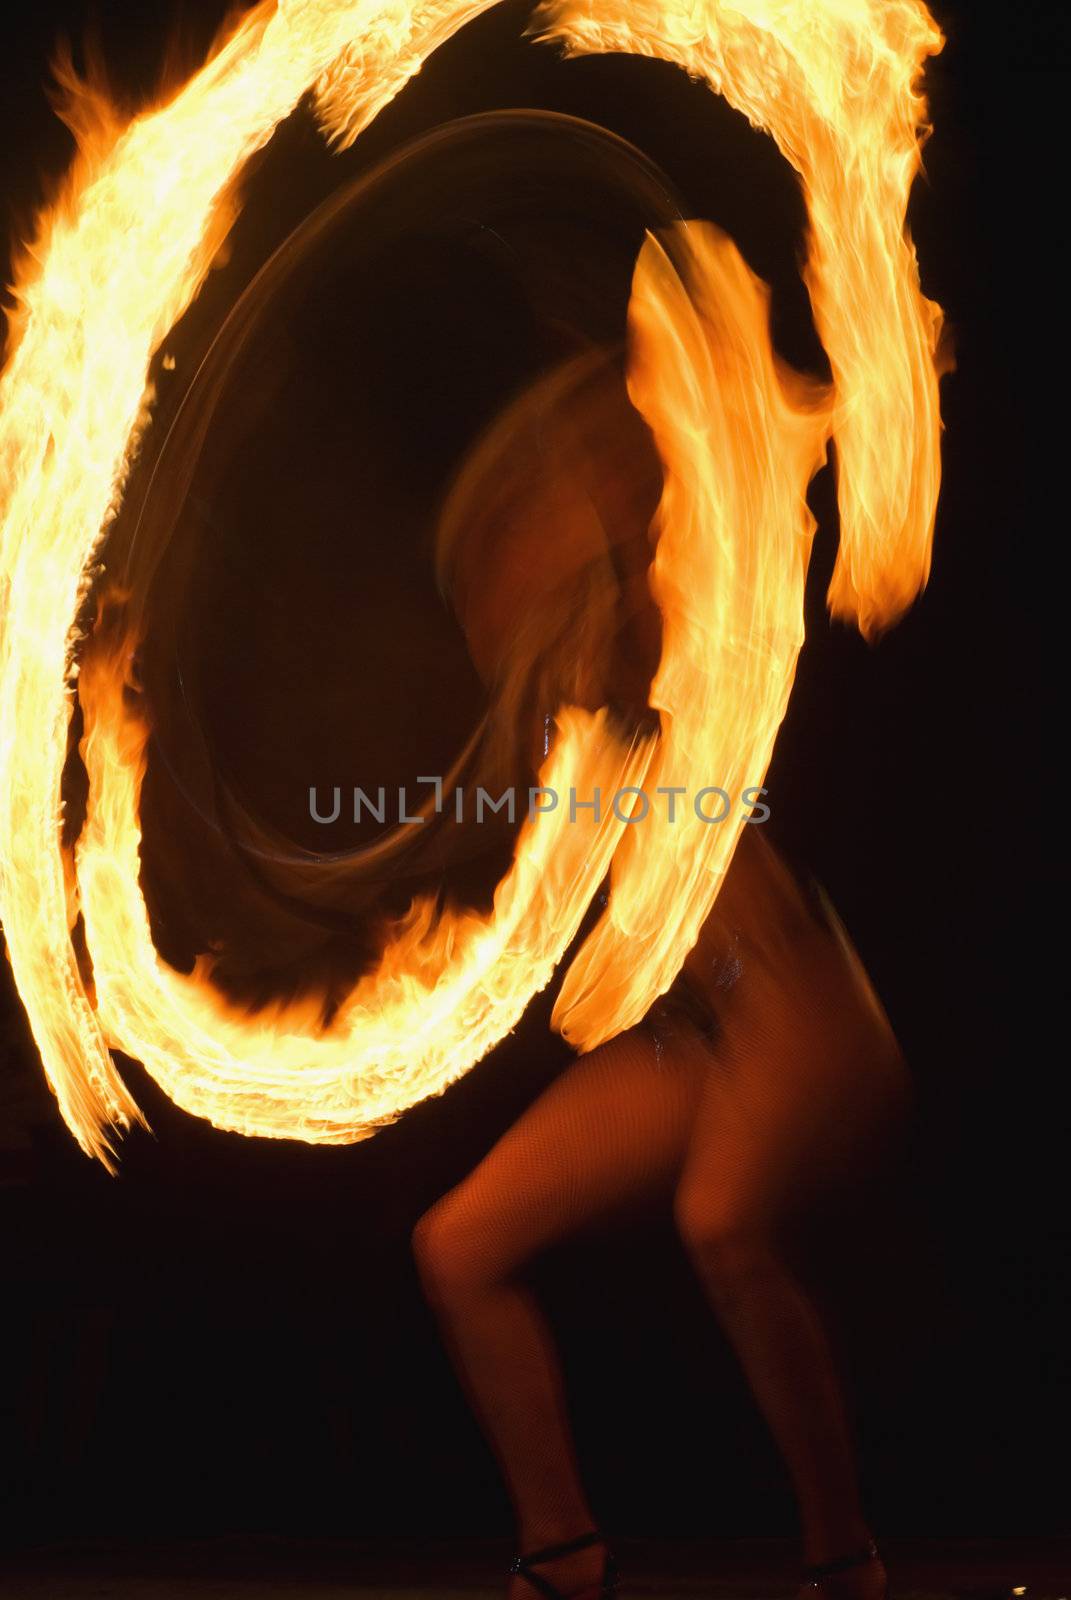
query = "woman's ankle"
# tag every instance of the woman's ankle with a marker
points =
(835, 1540)
(847, 1567)
(868, 1582)
(560, 1527)
(575, 1572)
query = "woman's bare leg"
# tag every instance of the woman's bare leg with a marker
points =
(805, 1071)
(613, 1127)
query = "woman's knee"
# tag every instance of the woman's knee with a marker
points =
(727, 1240)
(453, 1253)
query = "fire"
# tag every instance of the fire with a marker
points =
(116, 262)
(739, 440)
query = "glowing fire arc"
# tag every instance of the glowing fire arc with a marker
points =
(835, 83)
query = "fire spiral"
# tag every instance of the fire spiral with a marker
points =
(116, 262)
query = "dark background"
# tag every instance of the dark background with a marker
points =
(229, 1335)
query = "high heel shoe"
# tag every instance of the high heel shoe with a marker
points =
(605, 1590)
(814, 1577)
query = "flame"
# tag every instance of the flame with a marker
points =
(740, 439)
(835, 84)
(445, 991)
(117, 260)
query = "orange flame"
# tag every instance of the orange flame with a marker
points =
(118, 260)
(739, 440)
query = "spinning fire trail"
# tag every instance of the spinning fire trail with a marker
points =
(116, 262)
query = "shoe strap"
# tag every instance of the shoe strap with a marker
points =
(522, 1565)
(829, 1569)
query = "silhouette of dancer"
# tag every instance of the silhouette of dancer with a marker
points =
(768, 1068)
(731, 1124)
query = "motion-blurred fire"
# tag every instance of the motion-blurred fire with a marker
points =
(117, 260)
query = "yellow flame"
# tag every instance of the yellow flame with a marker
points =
(739, 440)
(116, 262)
(445, 991)
(835, 84)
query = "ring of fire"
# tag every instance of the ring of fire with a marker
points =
(835, 84)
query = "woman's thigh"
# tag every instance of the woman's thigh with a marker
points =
(610, 1131)
(806, 1077)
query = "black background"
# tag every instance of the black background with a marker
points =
(229, 1335)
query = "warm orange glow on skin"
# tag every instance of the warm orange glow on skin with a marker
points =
(116, 262)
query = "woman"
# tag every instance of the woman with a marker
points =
(768, 1068)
